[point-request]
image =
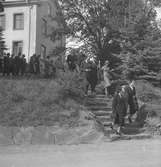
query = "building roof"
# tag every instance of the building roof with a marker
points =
(8, 3)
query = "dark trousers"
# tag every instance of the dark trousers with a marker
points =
(119, 120)
(92, 85)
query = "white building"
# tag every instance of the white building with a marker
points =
(28, 25)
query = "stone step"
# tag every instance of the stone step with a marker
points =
(98, 98)
(94, 101)
(114, 137)
(102, 113)
(97, 103)
(128, 130)
(107, 124)
(104, 118)
(96, 108)
(101, 95)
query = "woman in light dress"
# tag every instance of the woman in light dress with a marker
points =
(106, 77)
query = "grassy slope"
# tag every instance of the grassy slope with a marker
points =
(37, 102)
(49, 102)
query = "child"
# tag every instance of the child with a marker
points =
(119, 108)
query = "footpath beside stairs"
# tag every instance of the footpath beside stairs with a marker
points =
(101, 109)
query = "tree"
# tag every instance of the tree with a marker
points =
(104, 25)
(142, 54)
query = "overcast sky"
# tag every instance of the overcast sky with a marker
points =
(158, 13)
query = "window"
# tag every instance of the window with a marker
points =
(44, 28)
(2, 21)
(43, 51)
(18, 21)
(17, 47)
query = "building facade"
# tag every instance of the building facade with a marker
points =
(28, 27)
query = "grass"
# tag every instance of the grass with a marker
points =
(148, 93)
(151, 113)
(36, 102)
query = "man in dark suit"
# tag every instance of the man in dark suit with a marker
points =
(17, 62)
(91, 76)
(71, 61)
(6, 64)
(23, 65)
(132, 99)
(119, 108)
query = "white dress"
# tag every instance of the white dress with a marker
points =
(106, 76)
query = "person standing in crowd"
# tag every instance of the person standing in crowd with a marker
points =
(37, 64)
(132, 99)
(12, 65)
(119, 109)
(71, 62)
(47, 67)
(1, 63)
(6, 64)
(32, 64)
(90, 75)
(23, 65)
(106, 77)
(17, 62)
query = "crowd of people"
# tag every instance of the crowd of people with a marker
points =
(16, 65)
(13, 65)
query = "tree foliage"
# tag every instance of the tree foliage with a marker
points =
(124, 32)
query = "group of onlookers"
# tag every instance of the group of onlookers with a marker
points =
(12, 64)
(16, 65)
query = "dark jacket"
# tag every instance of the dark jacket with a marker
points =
(132, 100)
(119, 108)
(91, 72)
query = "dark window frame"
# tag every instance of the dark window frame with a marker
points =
(3, 15)
(14, 41)
(14, 24)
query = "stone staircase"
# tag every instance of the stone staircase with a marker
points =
(101, 108)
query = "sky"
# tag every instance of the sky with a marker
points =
(158, 13)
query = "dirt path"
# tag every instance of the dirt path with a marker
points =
(136, 153)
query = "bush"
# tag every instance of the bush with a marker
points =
(146, 92)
